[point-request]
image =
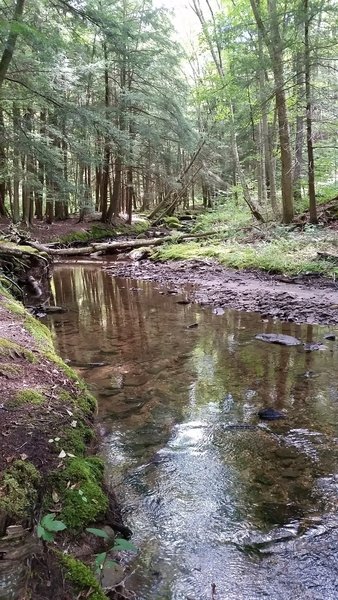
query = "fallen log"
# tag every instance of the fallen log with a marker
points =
(122, 245)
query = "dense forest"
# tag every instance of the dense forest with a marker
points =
(102, 109)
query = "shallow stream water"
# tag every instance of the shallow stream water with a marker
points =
(219, 511)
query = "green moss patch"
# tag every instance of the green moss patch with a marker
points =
(80, 487)
(10, 371)
(82, 577)
(29, 397)
(18, 489)
(13, 350)
(15, 308)
(39, 332)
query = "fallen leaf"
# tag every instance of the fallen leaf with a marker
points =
(73, 424)
(62, 454)
(23, 456)
(56, 497)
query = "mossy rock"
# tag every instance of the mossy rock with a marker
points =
(82, 577)
(19, 490)
(80, 487)
(172, 222)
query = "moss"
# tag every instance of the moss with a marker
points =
(57, 360)
(95, 233)
(23, 249)
(65, 396)
(15, 307)
(18, 489)
(29, 397)
(172, 222)
(40, 333)
(10, 371)
(86, 402)
(8, 348)
(75, 439)
(80, 488)
(82, 577)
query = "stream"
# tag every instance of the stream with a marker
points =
(218, 511)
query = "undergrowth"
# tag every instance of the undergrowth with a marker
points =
(240, 243)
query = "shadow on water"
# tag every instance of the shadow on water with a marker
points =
(252, 510)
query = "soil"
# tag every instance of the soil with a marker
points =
(303, 299)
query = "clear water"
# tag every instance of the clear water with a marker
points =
(217, 512)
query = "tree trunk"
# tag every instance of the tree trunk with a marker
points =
(9, 47)
(3, 167)
(311, 171)
(274, 45)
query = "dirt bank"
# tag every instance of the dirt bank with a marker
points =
(48, 467)
(306, 299)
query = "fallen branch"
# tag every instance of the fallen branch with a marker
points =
(122, 245)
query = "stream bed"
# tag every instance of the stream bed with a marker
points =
(222, 505)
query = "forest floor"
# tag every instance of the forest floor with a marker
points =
(301, 299)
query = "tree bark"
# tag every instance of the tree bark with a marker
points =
(274, 45)
(8, 52)
(311, 170)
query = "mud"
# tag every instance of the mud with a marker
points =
(305, 299)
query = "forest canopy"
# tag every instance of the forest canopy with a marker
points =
(101, 109)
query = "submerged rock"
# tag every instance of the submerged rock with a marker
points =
(330, 336)
(310, 347)
(270, 414)
(278, 338)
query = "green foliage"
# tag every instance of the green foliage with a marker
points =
(19, 490)
(48, 526)
(102, 559)
(281, 252)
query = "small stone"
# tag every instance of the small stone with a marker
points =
(270, 414)
(278, 338)
(330, 336)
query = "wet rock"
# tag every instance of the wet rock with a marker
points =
(311, 347)
(111, 576)
(285, 453)
(133, 379)
(218, 310)
(330, 336)
(236, 426)
(139, 254)
(183, 301)
(270, 414)
(278, 338)
(192, 326)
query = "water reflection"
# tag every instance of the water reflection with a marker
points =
(204, 498)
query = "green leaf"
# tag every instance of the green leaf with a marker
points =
(45, 535)
(100, 560)
(98, 532)
(121, 544)
(48, 522)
